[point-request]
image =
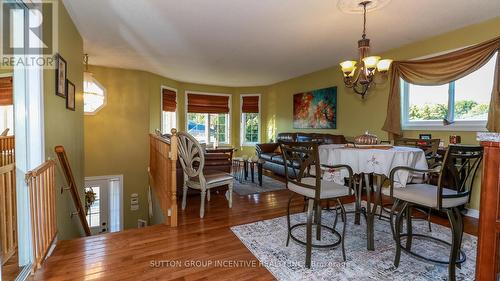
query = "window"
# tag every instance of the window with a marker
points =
(169, 109)
(464, 102)
(207, 127)
(250, 119)
(94, 94)
(208, 117)
(94, 213)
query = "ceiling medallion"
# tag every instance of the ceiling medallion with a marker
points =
(360, 75)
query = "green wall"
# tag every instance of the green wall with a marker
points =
(356, 115)
(65, 127)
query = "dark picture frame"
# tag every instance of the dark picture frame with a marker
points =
(70, 95)
(61, 75)
(425, 136)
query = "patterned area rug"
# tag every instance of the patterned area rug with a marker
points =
(248, 187)
(266, 240)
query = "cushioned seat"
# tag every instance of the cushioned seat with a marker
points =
(329, 189)
(425, 195)
(211, 179)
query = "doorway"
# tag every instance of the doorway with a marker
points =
(103, 203)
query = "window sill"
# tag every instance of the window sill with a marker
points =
(249, 144)
(473, 126)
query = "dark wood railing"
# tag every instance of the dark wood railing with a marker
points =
(68, 174)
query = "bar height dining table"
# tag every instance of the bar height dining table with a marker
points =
(366, 161)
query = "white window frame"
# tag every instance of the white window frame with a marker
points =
(243, 141)
(161, 107)
(436, 125)
(228, 125)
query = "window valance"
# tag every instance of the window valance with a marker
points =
(440, 70)
(204, 103)
(6, 94)
(250, 104)
(169, 100)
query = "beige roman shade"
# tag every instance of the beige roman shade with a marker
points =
(250, 104)
(169, 100)
(440, 70)
(6, 95)
(201, 103)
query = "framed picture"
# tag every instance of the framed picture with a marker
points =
(70, 96)
(425, 136)
(61, 71)
(315, 109)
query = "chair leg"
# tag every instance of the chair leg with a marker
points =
(318, 220)
(230, 190)
(460, 222)
(288, 220)
(409, 229)
(202, 206)
(395, 205)
(454, 243)
(208, 195)
(344, 218)
(184, 195)
(429, 220)
(397, 236)
(310, 206)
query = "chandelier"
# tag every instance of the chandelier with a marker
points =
(360, 75)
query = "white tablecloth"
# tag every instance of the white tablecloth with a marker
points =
(378, 161)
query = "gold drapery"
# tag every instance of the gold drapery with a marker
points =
(440, 70)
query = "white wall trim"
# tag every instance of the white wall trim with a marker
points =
(229, 126)
(242, 129)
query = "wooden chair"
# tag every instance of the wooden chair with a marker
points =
(430, 147)
(299, 159)
(461, 163)
(192, 159)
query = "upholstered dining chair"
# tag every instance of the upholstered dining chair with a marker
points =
(299, 158)
(192, 158)
(430, 148)
(460, 163)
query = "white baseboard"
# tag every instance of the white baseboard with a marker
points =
(472, 213)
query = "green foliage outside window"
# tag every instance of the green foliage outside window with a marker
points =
(251, 127)
(464, 109)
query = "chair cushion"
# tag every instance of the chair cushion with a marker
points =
(213, 178)
(329, 189)
(425, 195)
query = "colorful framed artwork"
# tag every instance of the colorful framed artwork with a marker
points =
(315, 109)
(61, 71)
(70, 96)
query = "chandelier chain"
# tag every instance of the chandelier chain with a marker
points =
(364, 19)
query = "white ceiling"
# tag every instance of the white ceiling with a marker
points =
(254, 42)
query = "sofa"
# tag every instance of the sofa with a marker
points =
(271, 154)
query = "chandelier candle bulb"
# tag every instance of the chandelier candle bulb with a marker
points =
(384, 65)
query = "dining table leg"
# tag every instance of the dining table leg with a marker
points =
(357, 204)
(370, 216)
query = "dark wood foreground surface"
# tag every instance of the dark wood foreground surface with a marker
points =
(154, 253)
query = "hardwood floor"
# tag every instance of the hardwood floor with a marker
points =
(154, 253)
(11, 268)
